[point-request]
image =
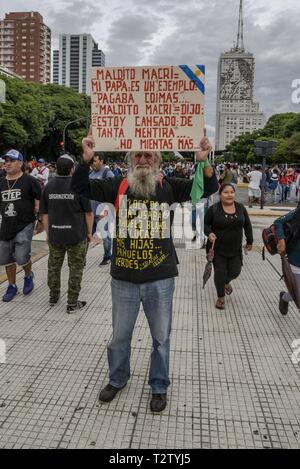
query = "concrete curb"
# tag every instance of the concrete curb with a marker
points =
(269, 211)
(35, 258)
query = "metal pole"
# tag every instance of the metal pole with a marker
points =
(67, 125)
(262, 199)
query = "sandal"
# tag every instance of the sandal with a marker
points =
(228, 289)
(220, 304)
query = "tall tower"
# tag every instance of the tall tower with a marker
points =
(237, 112)
(72, 63)
(240, 34)
(55, 67)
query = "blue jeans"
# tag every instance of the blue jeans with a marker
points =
(102, 226)
(284, 191)
(199, 210)
(18, 249)
(157, 300)
(106, 243)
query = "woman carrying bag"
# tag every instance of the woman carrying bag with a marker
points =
(224, 223)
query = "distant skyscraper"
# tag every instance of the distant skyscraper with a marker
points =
(77, 54)
(55, 67)
(237, 112)
(25, 46)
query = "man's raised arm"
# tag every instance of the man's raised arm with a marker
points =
(80, 180)
(103, 190)
(203, 154)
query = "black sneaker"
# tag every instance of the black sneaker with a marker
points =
(158, 402)
(76, 307)
(109, 393)
(283, 305)
(53, 301)
(194, 239)
(104, 262)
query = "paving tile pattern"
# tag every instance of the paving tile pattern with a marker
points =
(233, 381)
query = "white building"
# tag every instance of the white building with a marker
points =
(72, 63)
(55, 67)
(237, 112)
(8, 73)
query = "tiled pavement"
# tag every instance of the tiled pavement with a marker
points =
(233, 381)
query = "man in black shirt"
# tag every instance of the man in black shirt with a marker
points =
(19, 204)
(68, 221)
(144, 261)
(2, 170)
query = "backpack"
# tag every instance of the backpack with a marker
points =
(105, 172)
(270, 239)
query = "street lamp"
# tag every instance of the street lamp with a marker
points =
(67, 125)
(264, 149)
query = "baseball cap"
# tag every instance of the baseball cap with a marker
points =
(67, 156)
(65, 163)
(14, 155)
(41, 160)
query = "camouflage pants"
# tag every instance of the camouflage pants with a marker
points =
(76, 262)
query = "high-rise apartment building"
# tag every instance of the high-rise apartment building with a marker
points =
(25, 46)
(237, 112)
(55, 67)
(77, 54)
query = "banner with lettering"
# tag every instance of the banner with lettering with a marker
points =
(148, 108)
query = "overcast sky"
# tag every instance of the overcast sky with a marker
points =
(171, 32)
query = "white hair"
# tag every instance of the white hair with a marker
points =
(142, 181)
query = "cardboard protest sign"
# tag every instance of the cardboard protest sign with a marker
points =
(148, 108)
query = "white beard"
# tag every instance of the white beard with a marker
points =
(142, 181)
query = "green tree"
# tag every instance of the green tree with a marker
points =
(34, 116)
(284, 128)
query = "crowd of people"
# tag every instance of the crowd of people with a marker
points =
(74, 203)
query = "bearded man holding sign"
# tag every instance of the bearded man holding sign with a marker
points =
(144, 260)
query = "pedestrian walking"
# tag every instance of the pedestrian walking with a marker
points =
(100, 170)
(297, 184)
(116, 170)
(224, 224)
(2, 166)
(291, 180)
(291, 247)
(19, 198)
(272, 186)
(254, 187)
(227, 176)
(41, 172)
(235, 176)
(144, 262)
(68, 221)
(283, 184)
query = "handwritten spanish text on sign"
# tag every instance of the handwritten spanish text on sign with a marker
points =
(148, 108)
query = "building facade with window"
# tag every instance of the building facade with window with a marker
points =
(237, 111)
(25, 46)
(76, 55)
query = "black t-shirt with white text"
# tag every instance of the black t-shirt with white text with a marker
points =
(17, 204)
(65, 209)
(143, 248)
